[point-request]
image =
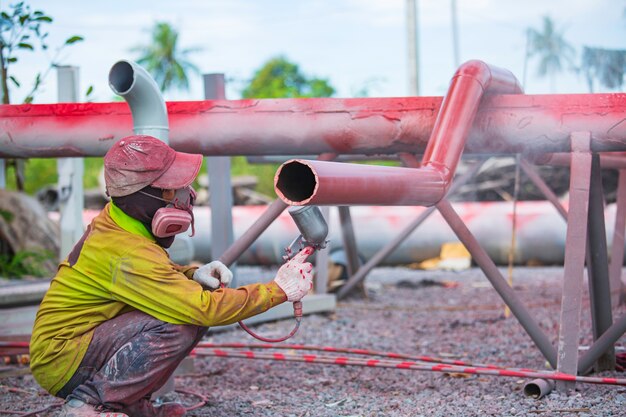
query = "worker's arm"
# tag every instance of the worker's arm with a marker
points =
(149, 282)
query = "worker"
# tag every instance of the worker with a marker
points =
(120, 315)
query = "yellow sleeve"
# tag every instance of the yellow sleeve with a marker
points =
(147, 280)
(186, 270)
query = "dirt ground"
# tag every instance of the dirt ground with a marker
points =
(445, 314)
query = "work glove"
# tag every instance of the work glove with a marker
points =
(212, 275)
(295, 277)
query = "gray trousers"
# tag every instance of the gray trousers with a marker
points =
(130, 357)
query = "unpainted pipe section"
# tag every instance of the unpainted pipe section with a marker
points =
(299, 182)
(138, 88)
(538, 388)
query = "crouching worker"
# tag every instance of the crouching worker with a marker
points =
(120, 315)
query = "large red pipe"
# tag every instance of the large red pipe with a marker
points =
(300, 182)
(503, 124)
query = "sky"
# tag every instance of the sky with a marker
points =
(354, 44)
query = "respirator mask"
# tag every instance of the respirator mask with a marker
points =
(177, 216)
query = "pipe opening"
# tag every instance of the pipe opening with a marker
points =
(538, 388)
(532, 390)
(121, 77)
(296, 181)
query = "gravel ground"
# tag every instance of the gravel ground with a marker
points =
(406, 311)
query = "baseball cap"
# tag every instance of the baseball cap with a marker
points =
(134, 162)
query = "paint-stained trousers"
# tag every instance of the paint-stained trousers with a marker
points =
(130, 357)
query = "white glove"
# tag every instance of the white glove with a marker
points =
(212, 275)
(295, 277)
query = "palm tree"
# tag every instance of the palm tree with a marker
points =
(164, 60)
(551, 48)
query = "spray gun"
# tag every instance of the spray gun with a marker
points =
(313, 232)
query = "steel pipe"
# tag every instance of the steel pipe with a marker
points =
(300, 182)
(538, 388)
(504, 124)
(612, 160)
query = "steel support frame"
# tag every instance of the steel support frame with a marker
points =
(499, 283)
(617, 245)
(574, 263)
(604, 284)
(361, 273)
(598, 265)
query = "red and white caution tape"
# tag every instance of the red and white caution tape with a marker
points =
(406, 365)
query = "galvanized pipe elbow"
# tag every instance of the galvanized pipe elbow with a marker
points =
(144, 98)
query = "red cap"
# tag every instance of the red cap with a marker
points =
(135, 162)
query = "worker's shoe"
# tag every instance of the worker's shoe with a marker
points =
(77, 408)
(145, 408)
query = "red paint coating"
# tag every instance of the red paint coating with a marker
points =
(352, 184)
(503, 124)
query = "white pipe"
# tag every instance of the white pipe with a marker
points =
(144, 98)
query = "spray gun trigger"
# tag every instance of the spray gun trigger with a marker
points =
(289, 249)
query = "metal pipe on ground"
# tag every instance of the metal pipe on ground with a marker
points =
(538, 388)
(299, 182)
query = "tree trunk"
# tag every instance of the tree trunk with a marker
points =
(5, 78)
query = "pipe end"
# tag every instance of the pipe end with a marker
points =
(538, 388)
(295, 182)
(121, 77)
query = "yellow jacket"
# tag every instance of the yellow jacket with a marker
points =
(121, 268)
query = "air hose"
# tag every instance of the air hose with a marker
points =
(313, 232)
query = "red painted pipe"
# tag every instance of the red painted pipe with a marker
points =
(503, 124)
(608, 160)
(300, 182)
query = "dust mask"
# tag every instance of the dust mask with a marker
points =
(177, 216)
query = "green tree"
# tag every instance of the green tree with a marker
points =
(20, 28)
(279, 78)
(163, 58)
(552, 50)
(23, 29)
